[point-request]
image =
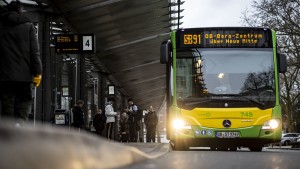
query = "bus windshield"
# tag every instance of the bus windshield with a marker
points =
(239, 77)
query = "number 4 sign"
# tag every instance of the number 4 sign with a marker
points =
(88, 44)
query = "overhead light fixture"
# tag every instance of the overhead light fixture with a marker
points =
(221, 75)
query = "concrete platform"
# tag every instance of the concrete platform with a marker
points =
(50, 147)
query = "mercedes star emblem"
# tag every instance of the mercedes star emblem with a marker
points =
(226, 123)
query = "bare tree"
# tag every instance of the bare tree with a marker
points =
(284, 17)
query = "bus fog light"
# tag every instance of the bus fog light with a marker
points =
(271, 124)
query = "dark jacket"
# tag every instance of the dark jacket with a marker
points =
(124, 125)
(99, 122)
(78, 116)
(151, 119)
(19, 49)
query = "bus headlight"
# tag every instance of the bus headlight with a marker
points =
(271, 124)
(180, 124)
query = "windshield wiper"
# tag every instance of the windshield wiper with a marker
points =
(192, 101)
(196, 102)
(260, 105)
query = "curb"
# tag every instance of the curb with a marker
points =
(283, 148)
(152, 150)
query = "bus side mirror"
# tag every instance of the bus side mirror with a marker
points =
(165, 49)
(282, 63)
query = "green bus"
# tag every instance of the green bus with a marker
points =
(223, 88)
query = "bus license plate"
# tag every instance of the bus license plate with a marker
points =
(227, 134)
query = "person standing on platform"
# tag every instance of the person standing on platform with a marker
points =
(151, 121)
(99, 122)
(133, 125)
(78, 115)
(110, 118)
(20, 64)
(124, 127)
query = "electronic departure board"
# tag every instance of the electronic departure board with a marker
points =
(224, 38)
(74, 43)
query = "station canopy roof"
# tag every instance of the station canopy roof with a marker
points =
(128, 37)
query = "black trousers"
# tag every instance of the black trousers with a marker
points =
(16, 99)
(150, 135)
(133, 131)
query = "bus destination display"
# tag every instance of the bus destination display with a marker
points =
(225, 38)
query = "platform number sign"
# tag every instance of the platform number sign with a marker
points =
(74, 43)
(87, 43)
